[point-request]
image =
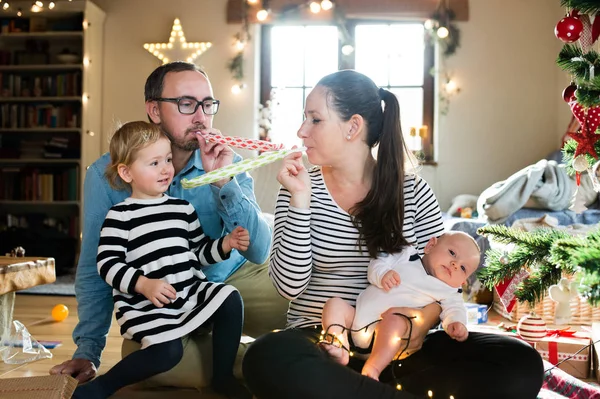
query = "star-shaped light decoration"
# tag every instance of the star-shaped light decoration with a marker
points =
(178, 49)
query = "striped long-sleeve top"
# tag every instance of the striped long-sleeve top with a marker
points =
(159, 239)
(316, 254)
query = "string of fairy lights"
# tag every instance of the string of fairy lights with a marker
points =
(36, 7)
(261, 11)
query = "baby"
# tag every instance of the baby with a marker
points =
(397, 280)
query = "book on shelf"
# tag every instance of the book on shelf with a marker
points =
(39, 184)
(36, 84)
(13, 116)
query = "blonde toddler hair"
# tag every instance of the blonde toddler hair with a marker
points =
(124, 146)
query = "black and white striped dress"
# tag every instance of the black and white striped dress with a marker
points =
(316, 254)
(159, 239)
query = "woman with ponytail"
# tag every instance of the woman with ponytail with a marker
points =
(330, 221)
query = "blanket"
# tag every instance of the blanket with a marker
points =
(544, 185)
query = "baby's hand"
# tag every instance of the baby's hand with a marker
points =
(457, 331)
(156, 291)
(238, 239)
(390, 280)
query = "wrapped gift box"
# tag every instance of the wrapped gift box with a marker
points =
(558, 348)
(596, 349)
(476, 313)
(46, 387)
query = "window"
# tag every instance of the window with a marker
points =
(397, 56)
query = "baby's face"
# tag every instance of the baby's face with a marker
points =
(452, 259)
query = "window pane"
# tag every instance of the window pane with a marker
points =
(411, 113)
(395, 62)
(287, 116)
(371, 59)
(407, 56)
(287, 56)
(321, 52)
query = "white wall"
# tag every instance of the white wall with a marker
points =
(510, 112)
(508, 115)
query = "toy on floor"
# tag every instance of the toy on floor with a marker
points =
(60, 312)
(464, 206)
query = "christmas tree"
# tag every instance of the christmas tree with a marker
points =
(546, 254)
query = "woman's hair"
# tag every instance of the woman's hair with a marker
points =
(124, 146)
(379, 217)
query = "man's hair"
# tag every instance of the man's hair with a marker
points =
(155, 82)
(127, 141)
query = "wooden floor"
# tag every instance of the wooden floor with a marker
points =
(30, 309)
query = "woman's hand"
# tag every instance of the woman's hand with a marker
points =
(423, 320)
(294, 177)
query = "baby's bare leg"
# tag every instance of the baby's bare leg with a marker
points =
(386, 345)
(337, 311)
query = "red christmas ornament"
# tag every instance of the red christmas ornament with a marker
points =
(569, 92)
(589, 119)
(595, 29)
(568, 29)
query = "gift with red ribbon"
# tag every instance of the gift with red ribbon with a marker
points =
(560, 345)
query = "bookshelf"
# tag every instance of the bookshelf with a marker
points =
(50, 104)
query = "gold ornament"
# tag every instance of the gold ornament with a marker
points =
(580, 163)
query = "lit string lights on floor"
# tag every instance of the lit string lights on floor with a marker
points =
(329, 338)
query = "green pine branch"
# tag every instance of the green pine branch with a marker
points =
(499, 267)
(534, 288)
(572, 60)
(584, 6)
(532, 251)
(538, 241)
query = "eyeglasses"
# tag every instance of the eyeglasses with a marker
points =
(189, 105)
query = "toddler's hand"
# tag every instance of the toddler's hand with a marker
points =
(238, 239)
(390, 280)
(156, 291)
(457, 331)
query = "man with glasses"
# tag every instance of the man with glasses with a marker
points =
(180, 99)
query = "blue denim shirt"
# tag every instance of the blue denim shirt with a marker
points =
(220, 210)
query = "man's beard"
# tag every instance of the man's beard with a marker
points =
(180, 144)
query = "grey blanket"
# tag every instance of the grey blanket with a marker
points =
(544, 185)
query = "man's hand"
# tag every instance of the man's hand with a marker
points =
(156, 291)
(81, 369)
(238, 239)
(457, 331)
(390, 280)
(214, 155)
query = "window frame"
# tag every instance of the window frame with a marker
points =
(348, 62)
